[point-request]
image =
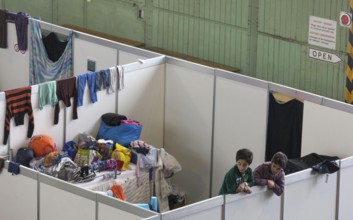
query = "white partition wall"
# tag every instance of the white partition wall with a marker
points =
(206, 209)
(310, 195)
(142, 98)
(326, 131)
(84, 50)
(18, 194)
(188, 124)
(260, 204)
(14, 66)
(69, 202)
(110, 208)
(239, 122)
(345, 211)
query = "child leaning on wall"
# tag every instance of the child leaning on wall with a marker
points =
(240, 177)
(271, 173)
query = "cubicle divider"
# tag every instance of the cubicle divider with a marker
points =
(260, 204)
(207, 209)
(19, 194)
(33, 195)
(345, 192)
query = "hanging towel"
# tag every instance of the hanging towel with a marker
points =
(3, 29)
(54, 46)
(18, 103)
(113, 74)
(21, 23)
(120, 77)
(65, 90)
(42, 69)
(47, 94)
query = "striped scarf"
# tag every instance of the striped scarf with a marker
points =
(42, 69)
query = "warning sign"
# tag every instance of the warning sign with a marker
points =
(322, 32)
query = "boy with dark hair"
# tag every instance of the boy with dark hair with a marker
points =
(239, 178)
(271, 174)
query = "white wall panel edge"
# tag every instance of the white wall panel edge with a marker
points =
(193, 208)
(242, 78)
(2, 96)
(124, 206)
(60, 184)
(27, 172)
(144, 64)
(114, 45)
(189, 65)
(337, 105)
(274, 87)
(157, 217)
(309, 97)
(229, 198)
(346, 162)
(299, 176)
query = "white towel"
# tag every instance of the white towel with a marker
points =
(120, 77)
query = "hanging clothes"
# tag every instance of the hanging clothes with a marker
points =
(3, 29)
(113, 75)
(47, 94)
(121, 81)
(103, 80)
(18, 103)
(65, 90)
(42, 69)
(90, 77)
(54, 46)
(284, 128)
(21, 24)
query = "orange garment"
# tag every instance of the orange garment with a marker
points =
(118, 192)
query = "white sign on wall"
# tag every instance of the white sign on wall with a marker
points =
(324, 56)
(322, 32)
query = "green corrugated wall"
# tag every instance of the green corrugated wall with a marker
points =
(266, 39)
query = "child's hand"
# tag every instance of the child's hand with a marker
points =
(270, 184)
(240, 187)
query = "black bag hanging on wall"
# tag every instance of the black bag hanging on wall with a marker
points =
(326, 166)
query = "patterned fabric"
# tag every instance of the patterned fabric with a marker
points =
(18, 103)
(42, 69)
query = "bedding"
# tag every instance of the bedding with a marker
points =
(134, 193)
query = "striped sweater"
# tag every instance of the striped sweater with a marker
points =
(18, 103)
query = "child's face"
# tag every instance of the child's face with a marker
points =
(275, 168)
(242, 165)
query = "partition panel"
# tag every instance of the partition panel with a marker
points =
(109, 207)
(3, 148)
(188, 125)
(104, 57)
(326, 131)
(260, 204)
(14, 66)
(310, 195)
(142, 99)
(61, 200)
(240, 122)
(206, 209)
(18, 194)
(127, 57)
(345, 211)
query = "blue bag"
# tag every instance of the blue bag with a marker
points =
(122, 134)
